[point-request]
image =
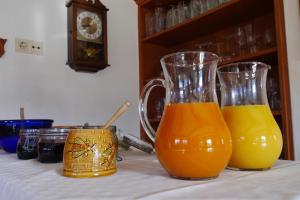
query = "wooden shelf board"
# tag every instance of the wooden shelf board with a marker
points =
(276, 112)
(154, 3)
(265, 53)
(252, 57)
(154, 120)
(227, 14)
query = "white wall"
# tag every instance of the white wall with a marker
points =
(292, 23)
(46, 87)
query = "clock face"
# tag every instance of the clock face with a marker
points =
(89, 26)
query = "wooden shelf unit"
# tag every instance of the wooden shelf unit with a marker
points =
(265, 54)
(211, 23)
(276, 112)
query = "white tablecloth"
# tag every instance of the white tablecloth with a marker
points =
(140, 176)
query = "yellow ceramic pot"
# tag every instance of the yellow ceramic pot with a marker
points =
(90, 153)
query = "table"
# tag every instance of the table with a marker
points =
(140, 176)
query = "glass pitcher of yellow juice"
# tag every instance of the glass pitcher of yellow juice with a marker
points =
(256, 137)
(192, 140)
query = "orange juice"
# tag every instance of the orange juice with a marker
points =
(256, 137)
(193, 140)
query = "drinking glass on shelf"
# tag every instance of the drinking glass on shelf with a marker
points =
(172, 17)
(183, 11)
(273, 93)
(219, 49)
(159, 107)
(204, 46)
(203, 5)
(149, 24)
(250, 38)
(195, 7)
(269, 38)
(241, 41)
(230, 47)
(212, 4)
(169, 18)
(159, 19)
(223, 1)
(259, 41)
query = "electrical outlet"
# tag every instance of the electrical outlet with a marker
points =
(29, 47)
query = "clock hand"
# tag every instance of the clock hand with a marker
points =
(88, 24)
(92, 22)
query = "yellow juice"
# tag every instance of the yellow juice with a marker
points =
(256, 137)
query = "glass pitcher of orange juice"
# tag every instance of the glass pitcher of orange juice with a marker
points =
(192, 140)
(256, 137)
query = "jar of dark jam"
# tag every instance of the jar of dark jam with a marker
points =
(27, 144)
(51, 145)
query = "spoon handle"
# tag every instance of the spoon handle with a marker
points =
(117, 114)
(22, 114)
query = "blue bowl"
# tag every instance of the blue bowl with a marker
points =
(9, 131)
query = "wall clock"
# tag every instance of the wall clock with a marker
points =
(2, 43)
(87, 35)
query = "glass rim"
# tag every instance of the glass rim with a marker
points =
(27, 120)
(89, 129)
(263, 66)
(92, 127)
(54, 132)
(42, 135)
(30, 132)
(214, 56)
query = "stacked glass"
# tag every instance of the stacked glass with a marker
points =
(161, 18)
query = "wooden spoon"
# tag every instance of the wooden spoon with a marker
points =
(22, 113)
(117, 114)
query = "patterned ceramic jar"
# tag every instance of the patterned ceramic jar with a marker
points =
(90, 153)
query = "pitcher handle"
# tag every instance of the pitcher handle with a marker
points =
(143, 106)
